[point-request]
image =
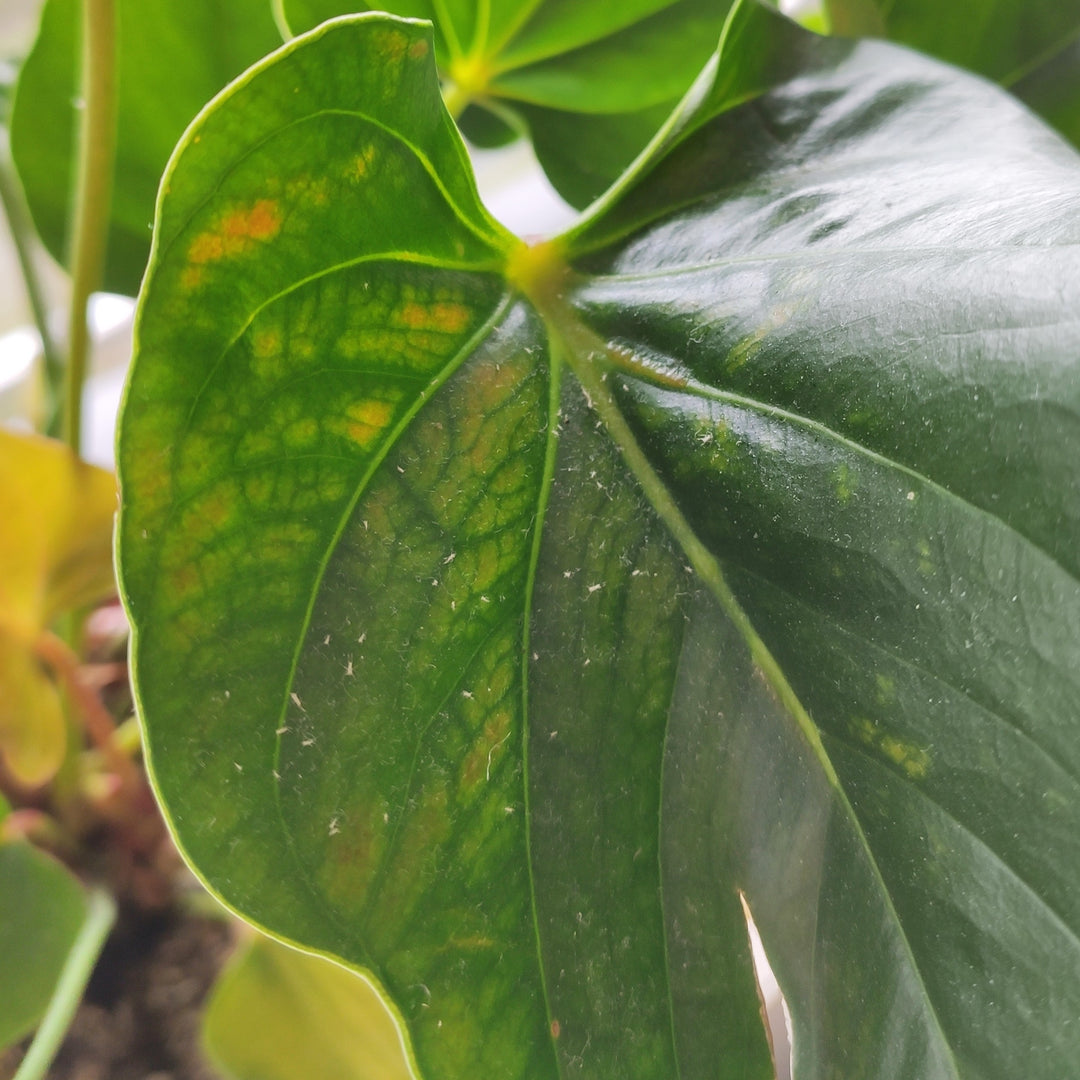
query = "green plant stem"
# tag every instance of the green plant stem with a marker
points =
(93, 194)
(22, 233)
(100, 916)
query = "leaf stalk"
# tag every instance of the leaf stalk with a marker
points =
(93, 196)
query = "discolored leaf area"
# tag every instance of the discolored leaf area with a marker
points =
(172, 57)
(589, 80)
(56, 519)
(506, 617)
(276, 1013)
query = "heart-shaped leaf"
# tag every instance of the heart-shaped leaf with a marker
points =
(166, 70)
(56, 518)
(506, 618)
(590, 80)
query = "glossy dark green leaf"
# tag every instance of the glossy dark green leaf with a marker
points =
(42, 908)
(506, 618)
(172, 57)
(591, 80)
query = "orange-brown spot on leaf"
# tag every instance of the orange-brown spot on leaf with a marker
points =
(418, 49)
(236, 232)
(266, 342)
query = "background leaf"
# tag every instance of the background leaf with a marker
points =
(1028, 46)
(56, 517)
(591, 81)
(42, 908)
(172, 57)
(502, 648)
(275, 1014)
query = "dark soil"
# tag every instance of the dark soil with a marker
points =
(140, 1018)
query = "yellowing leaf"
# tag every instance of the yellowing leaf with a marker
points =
(277, 1013)
(56, 553)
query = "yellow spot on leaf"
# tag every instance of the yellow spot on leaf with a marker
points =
(912, 759)
(362, 162)
(302, 433)
(365, 420)
(393, 45)
(445, 316)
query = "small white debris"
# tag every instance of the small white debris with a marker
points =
(309, 741)
(449, 558)
(362, 638)
(467, 694)
(594, 588)
(276, 775)
(386, 819)
(568, 573)
(484, 600)
(335, 828)
(326, 640)
(508, 809)
(227, 695)
(281, 731)
(553, 734)
(911, 496)
(239, 767)
(349, 668)
(296, 699)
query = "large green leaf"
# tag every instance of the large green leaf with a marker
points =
(591, 80)
(42, 909)
(505, 617)
(172, 57)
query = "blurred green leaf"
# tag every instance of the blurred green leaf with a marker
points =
(42, 909)
(1053, 90)
(505, 617)
(173, 56)
(1001, 39)
(278, 1014)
